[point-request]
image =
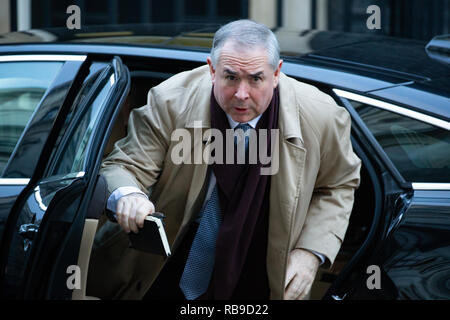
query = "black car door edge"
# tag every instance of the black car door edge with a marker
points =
(41, 165)
(54, 280)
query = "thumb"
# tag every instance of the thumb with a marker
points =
(290, 273)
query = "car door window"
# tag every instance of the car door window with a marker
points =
(64, 177)
(22, 86)
(419, 150)
(77, 140)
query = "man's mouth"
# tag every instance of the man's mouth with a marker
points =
(240, 109)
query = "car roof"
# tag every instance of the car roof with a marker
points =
(401, 55)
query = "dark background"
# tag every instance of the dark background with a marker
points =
(416, 19)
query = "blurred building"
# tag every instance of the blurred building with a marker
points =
(417, 19)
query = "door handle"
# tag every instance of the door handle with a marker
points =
(28, 230)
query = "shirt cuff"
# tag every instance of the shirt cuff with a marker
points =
(318, 255)
(119, 193)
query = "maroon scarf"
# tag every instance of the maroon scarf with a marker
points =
(240, 265)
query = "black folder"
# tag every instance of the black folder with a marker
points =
(151, 238)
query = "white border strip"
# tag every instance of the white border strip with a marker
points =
(25, 181)
(393, 108)
(14, 181)
(37, 196)
(41, 57)
(430, 186)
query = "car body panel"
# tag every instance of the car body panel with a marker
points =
(417, 264)
(419, 97)
(391, 54)
(411, 245)
(8, 196)
(412, 264)
(333, 76)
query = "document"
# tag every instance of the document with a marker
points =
(152, 237)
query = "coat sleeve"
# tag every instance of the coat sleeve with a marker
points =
(332, 200)
(138, 158)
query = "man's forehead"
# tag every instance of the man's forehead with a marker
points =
(231, 62)
(256, 52)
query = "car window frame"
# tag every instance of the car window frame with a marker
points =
(344, 96)
(67, 72)
(78, 114)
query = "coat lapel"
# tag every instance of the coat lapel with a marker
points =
(285, 188)
(197, 123)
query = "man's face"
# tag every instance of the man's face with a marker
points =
(243, 81)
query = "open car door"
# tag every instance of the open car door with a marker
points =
(44, 232)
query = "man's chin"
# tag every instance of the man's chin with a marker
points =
(241, 118)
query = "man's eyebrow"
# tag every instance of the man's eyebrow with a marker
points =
(230, 72)
(257, 74)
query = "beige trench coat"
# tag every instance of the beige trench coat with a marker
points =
(311, 196)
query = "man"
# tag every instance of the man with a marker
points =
(266, 235)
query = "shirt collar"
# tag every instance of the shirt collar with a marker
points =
(252, 123)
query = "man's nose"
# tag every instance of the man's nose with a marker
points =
(242, 91)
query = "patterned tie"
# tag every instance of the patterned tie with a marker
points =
(244, 127)
(200, 262)
(199, 265)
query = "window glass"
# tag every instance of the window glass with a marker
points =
(74, 153)
(22, 86)
(420, 151)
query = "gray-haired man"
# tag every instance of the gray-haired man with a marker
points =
(234, 232)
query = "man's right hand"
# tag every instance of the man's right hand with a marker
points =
(132, 210)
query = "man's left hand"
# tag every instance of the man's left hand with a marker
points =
(301, 271)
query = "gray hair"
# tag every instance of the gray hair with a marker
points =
(247, 34)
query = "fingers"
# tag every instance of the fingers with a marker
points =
(132, 217)
(142, 211)
(301, 270)
(291, 284)
(122, 214)
(294, 289)
(297, 289)
(290, 272)
(131, 212)
(291, 290)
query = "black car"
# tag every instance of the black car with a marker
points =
(65, 98)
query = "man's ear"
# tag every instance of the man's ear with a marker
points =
(276, 77)
(212, 71)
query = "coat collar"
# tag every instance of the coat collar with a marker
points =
(289, 114)
(289, 125)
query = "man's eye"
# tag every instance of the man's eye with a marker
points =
(229, 77)
(256, 79)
